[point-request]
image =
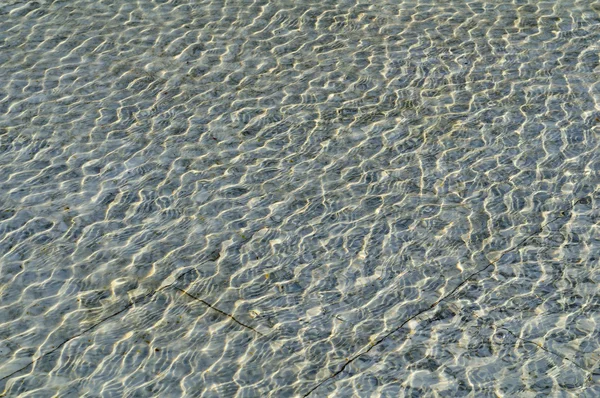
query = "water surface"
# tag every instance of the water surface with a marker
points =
(318, 198)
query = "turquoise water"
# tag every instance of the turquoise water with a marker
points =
(318, 199)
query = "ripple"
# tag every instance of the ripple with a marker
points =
(276, 199)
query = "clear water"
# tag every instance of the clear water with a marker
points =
(282, 198)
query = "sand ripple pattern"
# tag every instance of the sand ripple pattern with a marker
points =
(318, 198)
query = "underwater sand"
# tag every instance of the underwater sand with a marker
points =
(311, 198)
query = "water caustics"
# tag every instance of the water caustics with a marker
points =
(319, 198)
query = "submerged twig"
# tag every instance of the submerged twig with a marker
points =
(206, 303)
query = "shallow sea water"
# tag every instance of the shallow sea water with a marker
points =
(315, 199)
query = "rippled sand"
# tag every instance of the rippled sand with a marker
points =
(317, 198)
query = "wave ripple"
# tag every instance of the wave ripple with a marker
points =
(275, 198)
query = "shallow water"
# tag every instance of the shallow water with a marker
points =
(317, 198)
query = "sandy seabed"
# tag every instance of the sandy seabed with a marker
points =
(313, 198)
